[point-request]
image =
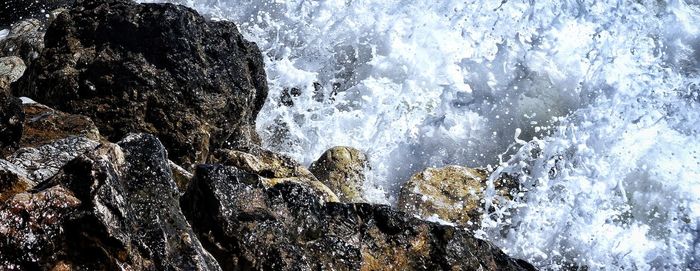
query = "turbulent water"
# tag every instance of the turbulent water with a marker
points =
(593, 105)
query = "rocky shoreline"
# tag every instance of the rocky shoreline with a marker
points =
(140, 153)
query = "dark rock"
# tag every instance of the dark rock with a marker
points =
(247, 226)
(196, 84)
(128, 216)
(30, 224)
(11, 118)
(43, 125)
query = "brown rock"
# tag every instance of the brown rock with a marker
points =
(342, 169)
(453, 193)
(12, 180)
(43, 125)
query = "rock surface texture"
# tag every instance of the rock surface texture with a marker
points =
(286, 227)
(342, 169)
(454, 194)
(157, 68)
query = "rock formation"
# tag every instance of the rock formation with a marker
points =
(161, 69)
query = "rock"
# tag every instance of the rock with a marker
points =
(181, 176)
(12, 67)
(45, 161)
(453, 193)
(247, 226)
(29, 225)
(25, 40)
(197, 85)
(342, 169)
(11, 118)
(13, 180)
(128, 216)
(274, 168)
(43, 125)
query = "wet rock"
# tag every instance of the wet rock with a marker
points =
(11, 118)
(45, 161)
(31, 226)
(43, 125)
(25, 40)
(128, 216)
(342, 169)
(274, 168)
(196, 84)
(181, 176)
(248, 226)
(453, 193)
(12, 67)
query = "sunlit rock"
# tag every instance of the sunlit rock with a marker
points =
(249, 226)
(454, 194)
(274, 168)
(342, 169)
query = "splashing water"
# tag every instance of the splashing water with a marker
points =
(603, 98)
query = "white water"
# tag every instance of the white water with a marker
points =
(610, 90)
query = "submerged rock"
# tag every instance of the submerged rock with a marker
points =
(248, 226)
(123, 214)
(342, 169)
(197, 85)
(453, 193)
(43, 125)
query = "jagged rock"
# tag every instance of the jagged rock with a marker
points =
(342, 169)
(11, 118)
(453, 193)
(25, 40)
(43, 125)
(12, 67)
(196, 84)
(12, 11)
(128, 216)
(247, 226)
(13, 180)
(274, 168)
(45, 161)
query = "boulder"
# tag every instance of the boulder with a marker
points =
(123, 214)
(250, 227)
(43, 125)
(454, 194)
(342, 169)
(197, 85)
(274, 168)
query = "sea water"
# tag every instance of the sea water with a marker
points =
(593, 105)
